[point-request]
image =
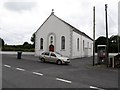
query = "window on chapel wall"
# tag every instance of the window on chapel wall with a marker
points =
(91, 46)
(83, 44)
(77, 43)
(62, 43)
(41, 43)
(51, 39)
(88, 45)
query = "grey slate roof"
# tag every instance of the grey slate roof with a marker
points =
(74, 29)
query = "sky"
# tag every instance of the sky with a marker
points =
(19, 19)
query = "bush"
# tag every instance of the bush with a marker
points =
(16, 48)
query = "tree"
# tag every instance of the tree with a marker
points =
(1, 43)
(26, 45)
(100, 41)
(113, 43)
(33, 40)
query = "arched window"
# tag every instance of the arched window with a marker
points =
(83, 44)
(62, 42)
(91, 46)
(88, 45)
(41, 43)
(77, 43)
(51, 39)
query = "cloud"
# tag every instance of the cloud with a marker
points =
(19, 6)
(33, 13)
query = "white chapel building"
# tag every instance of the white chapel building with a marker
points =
(59, 36)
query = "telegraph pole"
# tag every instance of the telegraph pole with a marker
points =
(93, 35)
(118, 44)
(118, 27)
(107, 35)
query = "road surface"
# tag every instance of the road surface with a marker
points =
(29, 72)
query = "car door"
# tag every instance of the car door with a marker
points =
(47, 56)
(53, 57)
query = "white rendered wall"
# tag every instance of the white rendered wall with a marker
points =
(87, 51)
(76, 53)
(59, 29)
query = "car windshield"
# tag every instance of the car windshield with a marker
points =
(58, 54)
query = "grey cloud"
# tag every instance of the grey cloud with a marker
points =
(19, 6)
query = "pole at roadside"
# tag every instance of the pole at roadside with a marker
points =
(107, 36)
(93, 35)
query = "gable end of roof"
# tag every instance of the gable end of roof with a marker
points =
(74, 29)
(44, 22)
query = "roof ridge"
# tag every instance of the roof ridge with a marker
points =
(75, 29)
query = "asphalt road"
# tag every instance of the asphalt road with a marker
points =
(28, 72)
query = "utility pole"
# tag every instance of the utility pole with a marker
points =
(118, 44)
(93, 35)
(107, 48)
(118, 27)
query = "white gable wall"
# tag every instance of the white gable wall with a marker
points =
(57, 28)
(53, 26)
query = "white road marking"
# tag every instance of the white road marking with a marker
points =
(96, 88)
(37, 73)
(7, 66)
(63, 80)
(20, 69)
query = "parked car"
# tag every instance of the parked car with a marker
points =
(54, 57)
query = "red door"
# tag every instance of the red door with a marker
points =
(51, 48)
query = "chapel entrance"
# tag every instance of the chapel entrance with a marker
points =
(51, 48)
(51, 42)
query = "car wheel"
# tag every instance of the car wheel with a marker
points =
(42, 60)
(59, 62)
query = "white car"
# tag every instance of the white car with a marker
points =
(54, 57)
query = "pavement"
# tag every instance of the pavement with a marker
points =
(29, 72)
